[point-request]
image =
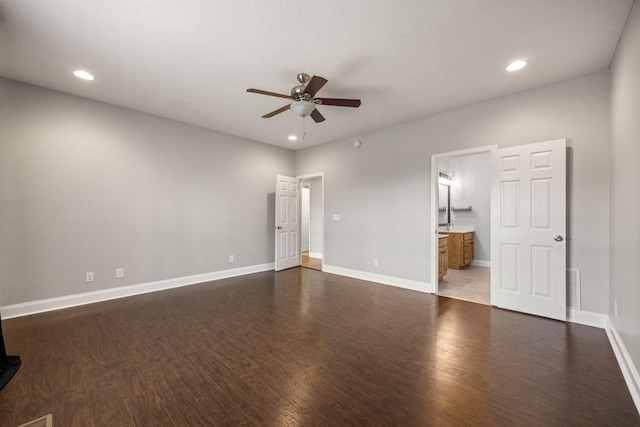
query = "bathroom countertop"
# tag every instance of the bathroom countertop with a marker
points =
(457, 229)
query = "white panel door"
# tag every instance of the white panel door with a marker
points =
(287, 222)
(528, 228)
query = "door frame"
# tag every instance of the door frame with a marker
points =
(322, 225)
(435, 158)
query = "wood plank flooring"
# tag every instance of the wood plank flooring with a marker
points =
(306, 348)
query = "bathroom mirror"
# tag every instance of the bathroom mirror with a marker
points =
(444, 197)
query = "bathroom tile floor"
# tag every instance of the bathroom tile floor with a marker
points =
(471, 283)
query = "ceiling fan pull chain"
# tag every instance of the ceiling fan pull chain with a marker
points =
(304, 131)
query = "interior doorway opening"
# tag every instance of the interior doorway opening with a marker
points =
(461, 223)
(312, 221)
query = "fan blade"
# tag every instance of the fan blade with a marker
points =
(340, 102)
(264, 92)
(278, 111)
(314, 85)
(316, 116)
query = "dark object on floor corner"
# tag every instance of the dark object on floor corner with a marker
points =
(9, 365)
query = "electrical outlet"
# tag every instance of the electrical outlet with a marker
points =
(119, 273)
(615, 308)
(375, 262)
(89, 277)
(231, 258)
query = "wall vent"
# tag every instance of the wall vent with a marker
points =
(574, 298)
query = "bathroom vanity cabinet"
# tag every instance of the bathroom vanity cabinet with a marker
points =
(460, 248)
(443, 256)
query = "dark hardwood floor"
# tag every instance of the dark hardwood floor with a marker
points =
(306, 348)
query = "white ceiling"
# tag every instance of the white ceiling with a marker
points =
(193, 60)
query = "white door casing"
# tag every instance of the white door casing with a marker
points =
(528, 228)
(287, 227)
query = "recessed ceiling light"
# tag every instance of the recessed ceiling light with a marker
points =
(83, 75)
(293, 138)
(516, 65)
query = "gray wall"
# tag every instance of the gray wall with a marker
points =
(86, 186)
(625, 188)
(382, 189)
(317, 231)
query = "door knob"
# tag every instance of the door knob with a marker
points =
(278, 228)
(558, 238)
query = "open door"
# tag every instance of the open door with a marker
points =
(528, 228)
(287, 222)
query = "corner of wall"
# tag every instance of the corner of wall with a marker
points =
(628, 368)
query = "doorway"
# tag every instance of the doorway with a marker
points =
(461, 219)
(312, 221)
(527, 227)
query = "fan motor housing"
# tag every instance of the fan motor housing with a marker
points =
(298, 93)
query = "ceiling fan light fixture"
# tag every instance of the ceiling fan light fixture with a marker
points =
(303, 108)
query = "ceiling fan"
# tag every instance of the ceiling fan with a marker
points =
(304, 101)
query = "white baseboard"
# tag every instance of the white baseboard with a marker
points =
(587, 318)
(628, 368)
(34, 307)
(414, 285)
(481, 263)
(317, 255)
